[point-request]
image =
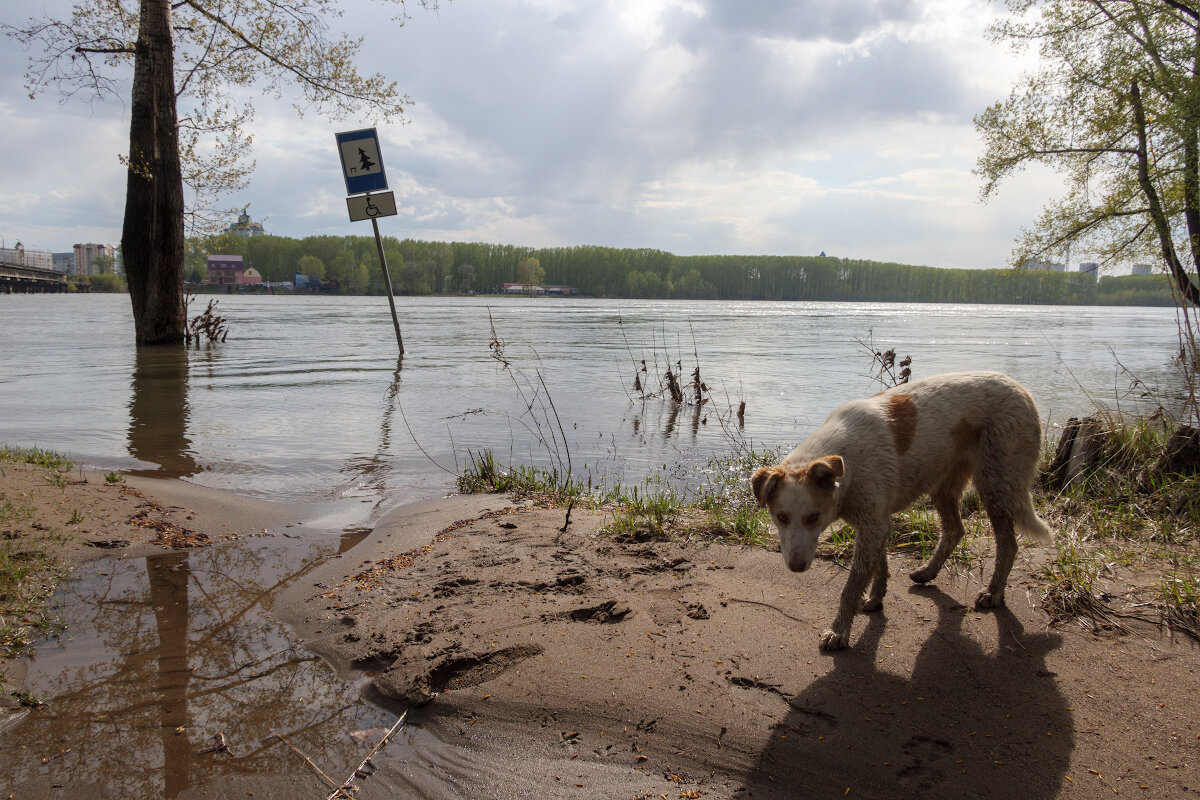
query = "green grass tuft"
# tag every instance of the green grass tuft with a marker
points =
(35, 456)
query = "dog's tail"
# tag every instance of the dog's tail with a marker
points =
(1033, 527)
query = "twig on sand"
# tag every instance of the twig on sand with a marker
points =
(275, 734)
(347, 788)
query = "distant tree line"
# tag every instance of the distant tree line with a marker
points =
(351, 264)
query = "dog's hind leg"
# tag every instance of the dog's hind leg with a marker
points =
(874, 600)
(997, 504)
(945, 497)
(1006, 553)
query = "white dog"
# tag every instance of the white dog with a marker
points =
(876, 456)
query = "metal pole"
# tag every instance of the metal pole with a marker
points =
(387, 282)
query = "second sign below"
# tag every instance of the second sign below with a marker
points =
(370, 206)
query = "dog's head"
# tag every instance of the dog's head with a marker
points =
(803, 502)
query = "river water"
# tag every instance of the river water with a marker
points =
(306, 402)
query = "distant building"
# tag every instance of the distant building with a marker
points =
(86, 255)
(26, 258)
(251, 277)
(226, 270)
(1142, 269)
(558, 290)
(1089, 268)
(246, 226)
(64, 262)
(521, 288)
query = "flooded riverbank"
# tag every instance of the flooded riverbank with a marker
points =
(308, 406)
(159, 656)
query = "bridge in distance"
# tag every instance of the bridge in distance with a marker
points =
(24, 279)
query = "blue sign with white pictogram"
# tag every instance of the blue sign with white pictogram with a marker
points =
(362, 164)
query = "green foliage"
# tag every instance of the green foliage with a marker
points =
(1071, 581)
(650, 509)
(484, 474)
(530, 271)
(1113, 106)
(104, 264)
(311, 266)
(14, 512)
(37, 456)
(107, 282)
(420, 267)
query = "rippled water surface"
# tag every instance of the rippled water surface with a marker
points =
(307, 400)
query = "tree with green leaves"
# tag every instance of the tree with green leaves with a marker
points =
(530, 271)
(311, 266)
(187, 59)
(1114, 105)
(104, 264)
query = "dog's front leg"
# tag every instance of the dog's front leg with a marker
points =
(868, 541)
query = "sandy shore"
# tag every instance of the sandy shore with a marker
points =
(543, 662)
(573, 664)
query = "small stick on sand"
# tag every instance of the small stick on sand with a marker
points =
(307, 760)
(346, 788)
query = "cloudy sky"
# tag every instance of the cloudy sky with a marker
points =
(693, 126)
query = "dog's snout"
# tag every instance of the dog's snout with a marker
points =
(799, 565)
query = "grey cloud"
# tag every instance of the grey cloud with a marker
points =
(553, 93)
(809, 20)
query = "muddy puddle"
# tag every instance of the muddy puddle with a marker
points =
(161, 654)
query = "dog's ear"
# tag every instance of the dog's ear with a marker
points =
(824, 472)
(764, 481)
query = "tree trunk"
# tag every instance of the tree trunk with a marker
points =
(1189, 291)
(152, 243)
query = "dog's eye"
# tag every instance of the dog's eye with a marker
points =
(812, 518)
(783, 518)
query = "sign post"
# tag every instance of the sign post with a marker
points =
(362, 167)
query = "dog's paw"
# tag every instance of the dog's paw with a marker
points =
(923, 575)
(832, 640)
(988, 600)
(872, 604)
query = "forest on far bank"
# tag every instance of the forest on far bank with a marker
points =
(350, 265)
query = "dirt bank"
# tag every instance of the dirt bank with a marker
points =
(578, 665)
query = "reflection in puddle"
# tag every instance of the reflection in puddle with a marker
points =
(162, 653)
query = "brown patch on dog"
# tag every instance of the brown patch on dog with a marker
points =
(965, 435)
(765, 481)
(902, 421)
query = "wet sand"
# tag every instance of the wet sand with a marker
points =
(541, 662)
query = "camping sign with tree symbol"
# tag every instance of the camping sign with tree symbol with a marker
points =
(362, 164)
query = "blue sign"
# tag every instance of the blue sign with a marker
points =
(362, 163)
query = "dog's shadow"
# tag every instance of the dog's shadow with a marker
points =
(965, 724)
